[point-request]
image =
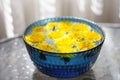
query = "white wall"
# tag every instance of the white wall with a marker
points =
(23, 12)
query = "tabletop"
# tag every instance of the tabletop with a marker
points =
(15, 63)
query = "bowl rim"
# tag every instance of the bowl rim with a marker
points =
(67, 17)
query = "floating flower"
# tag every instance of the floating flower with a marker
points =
(65, 26)
(45, 47)
(65, 49)
(85, 45)
(52, 26)
(67, 41)
(77, 36)
(35, 38)
(92, 35)
(81, 27)
(56, 34)
(38, 29)
(28, 39)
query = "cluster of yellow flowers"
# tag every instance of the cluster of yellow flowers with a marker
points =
(63, 37)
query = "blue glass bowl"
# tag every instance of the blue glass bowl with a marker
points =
(52, 64)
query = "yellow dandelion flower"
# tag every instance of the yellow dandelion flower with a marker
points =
(76, 36)
(28, 40)
(52, 25)
(65, 49)
(92, 35)
(56, 34)
(81, 27)
(45, 47)
(85, 45)
(64, 42)
(35, 38)
(65, 26)
(38, 29)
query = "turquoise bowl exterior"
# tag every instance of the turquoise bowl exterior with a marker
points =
(52, 64)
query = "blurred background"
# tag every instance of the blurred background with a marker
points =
(16, 15)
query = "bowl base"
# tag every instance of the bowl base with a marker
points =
(64, 73)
